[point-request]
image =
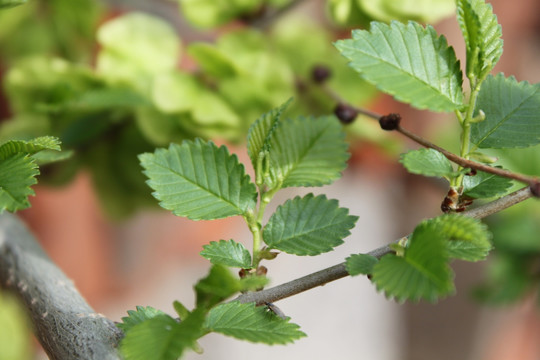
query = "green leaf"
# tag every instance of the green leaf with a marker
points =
(216, 287)
(307, 152)
(426, 11)
(4, 4)
(136, 317)
(427, 162)
(511, 110)
(251, 323)
(467, 238)
(485, 185)
(259, 136)
(30, 147)
(212, 60)
(228, 253)
(135, 44)
(421, 273)
(253, 282)
(409, 62)
(198, 180)
(17, 173)
(360, 264)
(308, 226)
(482, 34)
(162, 337)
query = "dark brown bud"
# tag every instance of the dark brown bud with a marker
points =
(320, 73)
(345, 113)
(472, 172)
(535, 189)
(243, 273)
(390, 122)
(261, 270)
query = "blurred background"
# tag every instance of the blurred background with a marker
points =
(117, 78)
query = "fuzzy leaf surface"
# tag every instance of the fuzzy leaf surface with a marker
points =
(228, 253)
(17, 173)
(482, 34)
(423, 271)
(138, 316)
(307, 152)
(308, 226)
(162, 337)
(360, 264)
(485, 185)
(511, 110)
(198, 180)
(467, 238)
(427, 162)
(30, 147)
(409, 62)
(251, 323)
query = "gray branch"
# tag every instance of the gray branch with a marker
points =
(66, 326)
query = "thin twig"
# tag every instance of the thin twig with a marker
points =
(466, 163)
(339, 271)
(270, 17)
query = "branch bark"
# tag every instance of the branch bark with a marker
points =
(65, 325)
(339, 271)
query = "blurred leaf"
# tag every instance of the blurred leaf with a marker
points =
(251, 323)
(485, 185)
(347, 13)
(216, 287)
(211, 13)
(138, 316)
(136, 44)
(17, 173)
(212, 60)
(4, 4)
(308, 226)
(511, 110)
(15, 331)
(429, 11)
(198, 180)
(409, 62)
(228, 253)
(427, 162)
(360, 264)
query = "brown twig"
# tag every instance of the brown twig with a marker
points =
(339, 271)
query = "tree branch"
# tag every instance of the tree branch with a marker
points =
(339, 271)
(65, 325)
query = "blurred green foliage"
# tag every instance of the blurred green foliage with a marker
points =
(15, 334)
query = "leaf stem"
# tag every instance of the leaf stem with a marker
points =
(339, 271)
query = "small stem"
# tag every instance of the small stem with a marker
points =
(255, 223)
(337, 98)
(339, 271)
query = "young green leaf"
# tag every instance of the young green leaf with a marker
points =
(307, 152)
(255, 324)
(511, 110)
(308, 226)
(259, 135)
(360, 264)
(138, 316)
(427, 162)
(409, 62)
(162, 337)
(30, 147)
(4, 4)
(467, 238)
(198, 180)
(218, 285)
(482, 34)
(228, 253)
(421, 273)
(17, 173)
(485, 185)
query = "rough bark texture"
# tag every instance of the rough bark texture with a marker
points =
(66, 326)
